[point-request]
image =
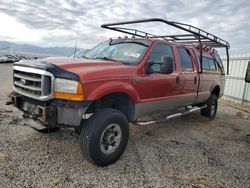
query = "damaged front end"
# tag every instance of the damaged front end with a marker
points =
(49, 96)
(55, 113)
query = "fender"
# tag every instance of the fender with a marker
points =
(111, 87)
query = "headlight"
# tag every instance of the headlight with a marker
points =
(66, 86)
(68, 89)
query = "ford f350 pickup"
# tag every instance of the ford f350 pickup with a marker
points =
(120, 80)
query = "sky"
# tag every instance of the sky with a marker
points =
(61, 22)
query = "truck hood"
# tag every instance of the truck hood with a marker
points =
(86, 69)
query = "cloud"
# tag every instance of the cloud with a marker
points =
(61, 22)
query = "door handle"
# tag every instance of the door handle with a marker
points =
(177, 80)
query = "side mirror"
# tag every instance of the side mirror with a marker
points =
(167, 65)
(247, 77)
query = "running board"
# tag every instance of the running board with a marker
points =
(171, 116)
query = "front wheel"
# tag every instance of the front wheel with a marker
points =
(104, 137)
(211, 109)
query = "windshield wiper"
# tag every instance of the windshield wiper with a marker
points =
(110, 59)
(106, 58)
(133, 42)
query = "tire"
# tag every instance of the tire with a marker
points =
(211, 109)
(78, 129)
(104, 137)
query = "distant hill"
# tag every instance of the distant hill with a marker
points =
(14, 48)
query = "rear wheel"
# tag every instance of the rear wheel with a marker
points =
(104, 136)
(211, 109)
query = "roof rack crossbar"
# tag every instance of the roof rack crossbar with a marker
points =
(201, 33)
(136, 31)
(127, 32)
(197, 32)
(207, 43)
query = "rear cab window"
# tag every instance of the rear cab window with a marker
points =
(185, 60)
(208, 64)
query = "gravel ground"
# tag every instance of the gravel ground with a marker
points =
(190, 151)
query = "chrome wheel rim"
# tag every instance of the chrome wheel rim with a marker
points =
(110, 138)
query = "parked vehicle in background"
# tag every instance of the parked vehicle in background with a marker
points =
(11, 58)
(120, 80)
(3, 59)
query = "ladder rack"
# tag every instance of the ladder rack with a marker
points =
(194, 35)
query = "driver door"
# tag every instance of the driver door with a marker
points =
(159, 90)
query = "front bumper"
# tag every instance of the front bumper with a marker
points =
(52, 113)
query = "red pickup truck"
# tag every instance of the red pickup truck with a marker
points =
(118, 81)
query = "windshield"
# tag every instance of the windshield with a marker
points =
(79, 54)
(127, 52)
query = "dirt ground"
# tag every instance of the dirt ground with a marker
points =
(190, 151)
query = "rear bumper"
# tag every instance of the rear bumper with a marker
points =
(53, 113)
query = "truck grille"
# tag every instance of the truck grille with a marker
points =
(34, 83)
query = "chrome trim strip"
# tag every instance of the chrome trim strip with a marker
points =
(27, 87)
(32, 70)
(25, 93)
(27, 77)
(42, 86)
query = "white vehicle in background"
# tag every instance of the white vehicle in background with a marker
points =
(3, 59)
(11, 58)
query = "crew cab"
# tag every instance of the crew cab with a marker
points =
(118, 81)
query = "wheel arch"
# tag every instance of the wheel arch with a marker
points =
(216, 90)
(98, 91)
(117, 100)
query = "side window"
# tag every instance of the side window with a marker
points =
(205, 63)
(186, 61)
(208, 64)
(211, 64)
(156, 56)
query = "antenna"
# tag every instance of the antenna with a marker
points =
(76, 41)
(75, 48)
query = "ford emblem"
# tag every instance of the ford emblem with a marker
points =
(23, 81)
